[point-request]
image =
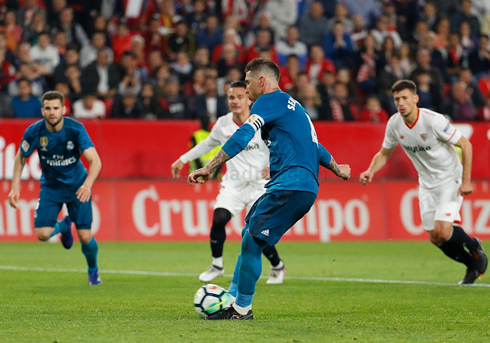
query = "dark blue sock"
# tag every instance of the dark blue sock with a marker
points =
(90, 251)
(59, 227)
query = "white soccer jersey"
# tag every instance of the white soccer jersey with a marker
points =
(429, 144)
(247, 165)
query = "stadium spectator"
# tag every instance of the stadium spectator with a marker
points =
(462, 108)
(484, 85)
(387, 77)
(344, 76)
(151, 106)
(7, 72)
(479, 59)
(447, 8)
(263, 23)
(161, 75)
(291, 45)
(201, 58)
(464, 15)
(262, 43)
(466, 76)
(282, 14)
(88, 53)
(326, 87)
(423, 65)
(442, 33)
(198, 84)
(74, 31)
(174, 105)
(196, 19)
(229, 37)
(153, 38)
(101, 77)
(368, 9)
(13, 31)
(453, 56)
(45, 54)
(429, 15)
(429, 96)
(26, 71)
(359, 33)
(54, 11)
(340, 108)
(338, 46)
(132, 76)
(212, 35)
(383, 30)
(127, 106)
(301, 81)
(468, 41)
(65, 90)
(234, 73)
(289, 73)
(60, 43)
(384, 56)
(229, 59)
(436, 57)
(37, 26)
(182, 67)
(181, 40)
(26, 13)
(26, 105)
(310, 99)
(89, 107)
(317, 64)
(155, 60)
(366, 75)
(9, 55)
(312, 27)
(341, 14)
(210, 102)
(6, 109)
(121, 42)
(73, 74)
(419, 34)
(373, 112)
(71, 57)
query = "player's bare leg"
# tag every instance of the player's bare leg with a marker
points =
(63, 227)
(452, 240)
(90, 249)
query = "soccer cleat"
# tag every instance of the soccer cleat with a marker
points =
(230, 313)
(94, 278)
(211, 273)
(67, 236)
(276, 276)
(471, 275)
(480, 258)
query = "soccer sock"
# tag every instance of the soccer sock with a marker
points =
(59, 227)
(250, 269)
(218, 233)
(460, 237)
(242, 310)
(457, 253)
(90, 251)
(272, 255)
(218, 262)
(233, 289)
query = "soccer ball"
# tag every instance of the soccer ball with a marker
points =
(210, 299)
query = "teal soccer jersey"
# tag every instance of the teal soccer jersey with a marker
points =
(295, 153)
(59, 152)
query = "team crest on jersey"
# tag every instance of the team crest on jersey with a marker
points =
(423, 136)
(25, 146)
(44, 143)
(70, 145)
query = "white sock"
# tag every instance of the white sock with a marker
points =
(218, 262)
(242, 310)
(279, 266)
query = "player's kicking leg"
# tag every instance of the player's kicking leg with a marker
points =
(221, 217)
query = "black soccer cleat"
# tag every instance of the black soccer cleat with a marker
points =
(480, 258)
(230, 313)
(471, 275)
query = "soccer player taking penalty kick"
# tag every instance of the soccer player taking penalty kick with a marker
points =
(242, 184)
(295, 156)
(60, 142)
(428, 139)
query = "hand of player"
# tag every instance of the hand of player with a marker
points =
(266, 173)
(176, 168)
(14, 197)
(199, 176)
(466, 188)
(84, 193)
(366, 177)
(344, 171)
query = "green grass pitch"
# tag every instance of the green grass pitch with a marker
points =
(318, 301)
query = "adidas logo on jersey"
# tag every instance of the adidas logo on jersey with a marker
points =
(265, 232)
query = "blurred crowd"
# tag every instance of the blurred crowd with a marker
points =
(163, 59)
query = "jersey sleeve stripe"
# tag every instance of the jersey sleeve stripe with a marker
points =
(452, 136)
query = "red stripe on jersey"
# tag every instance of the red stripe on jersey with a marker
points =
(416, 120)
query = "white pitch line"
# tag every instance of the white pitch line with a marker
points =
(310, 278)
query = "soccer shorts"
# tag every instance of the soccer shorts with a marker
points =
(442, 203)
(50, 202)
(235, 199)
(277, 211)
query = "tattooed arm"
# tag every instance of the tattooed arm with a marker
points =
(342, 170)
(202, 175)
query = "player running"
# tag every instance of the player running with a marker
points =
(242, 184)
(295, 155)
(428, 139)
(60, 142)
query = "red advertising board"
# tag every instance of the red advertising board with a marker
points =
(173, 211)
(140, 149)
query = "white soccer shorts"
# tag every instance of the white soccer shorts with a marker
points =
(442, 203)
(235, 199)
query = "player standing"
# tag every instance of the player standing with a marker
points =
(428, 139)
(60, 142)
(295, 155)
(242, 184)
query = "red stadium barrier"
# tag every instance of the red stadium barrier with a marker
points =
(140, 149)
(173, 211)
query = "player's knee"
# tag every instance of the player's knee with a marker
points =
(84, 235)
(43, 234)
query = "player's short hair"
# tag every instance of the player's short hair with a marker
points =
(404, 84)
(53, 95)
(238, 84)
(262, 65)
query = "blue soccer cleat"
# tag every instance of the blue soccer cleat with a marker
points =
(94, 278)
(67, 236)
